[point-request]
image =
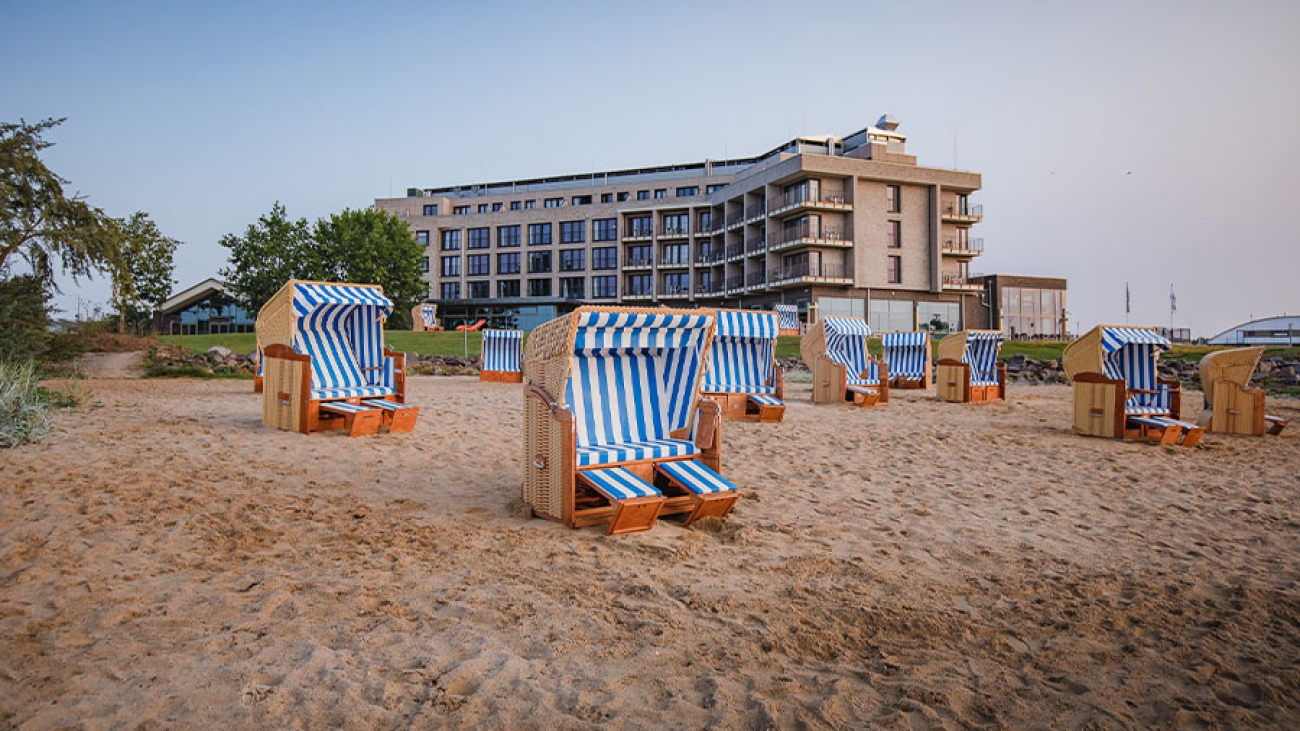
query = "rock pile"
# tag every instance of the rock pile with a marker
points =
(161, 359)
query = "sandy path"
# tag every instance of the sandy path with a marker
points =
(112, 365)
(166, 561)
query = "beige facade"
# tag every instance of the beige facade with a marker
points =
(822, 219)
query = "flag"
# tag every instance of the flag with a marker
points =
(1128, 300)
(1173, 301)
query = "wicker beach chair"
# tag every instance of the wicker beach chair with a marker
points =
(789, 315)
(908, 356)
(501, 350)
(1117, 391)
(835, 350)
(325, 364)
(424, 317)
(743, 377)
(969, 370)
(1231, 405)
(615, 431)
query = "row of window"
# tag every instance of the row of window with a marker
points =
(539, 234)
(603, 287)
(571, 260)
(685, 191)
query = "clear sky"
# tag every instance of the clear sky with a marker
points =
(1150, 143)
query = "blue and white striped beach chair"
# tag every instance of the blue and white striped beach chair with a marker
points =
(908, 356)
(324, 361)
(835, 350)
(612, 396)
(969, 370)
(501, 353)
(789, 315)
(1118, 392)
(743, 377)
(424, 317)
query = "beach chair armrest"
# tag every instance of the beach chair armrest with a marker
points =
(778, 381)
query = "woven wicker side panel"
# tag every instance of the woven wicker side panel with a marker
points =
(1083, 355)
(546, 355)
(282, 376)
(1236, 365)
(544, 446)
(275, 319)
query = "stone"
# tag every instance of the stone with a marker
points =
(219, 351)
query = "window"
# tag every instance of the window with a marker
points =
(573, 288)
(622, 197)
(604, 257)
(538, 262)
(704, 284)
(496, 207)
(581, 200)
(424, 264)
(530, 205)
(480, 290)
(606, 197)
(431, 210)
(893, 203)
(643, 195)
(478, 265)
(640, 226)
(571, 260)
(675, 254)
(451, 290)
(507, 236)
(539, 288)
(482, 208)
(705, 221)
(895, 270)
(677, 283)
(639, 256)
(508, 287)
(604, 229)
(422, 237)
(638, 284)
(605, 287)
(688, 191)
(551, 203)
(508, 263)
(894, 235)
(714, 188)
(938, 316)
(451, 266)
(573, 232)
(451, 240)
(886, 315)
(676, 224)
(479, 238)
(460, 210)
(661, 193)
(539, 234)
(514, 205)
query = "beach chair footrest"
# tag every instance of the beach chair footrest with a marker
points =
(1165, 430)
(399, 418)
(636, 502)
(707, 492)
(1275, 424)
(358, 419)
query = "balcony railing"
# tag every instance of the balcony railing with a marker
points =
(754, 279)
(735, 250)
(805, 231)
(804, 198)
(755, 244)
(675, 231)
(755, 211)
(639, 292)
(957, 281)
(967, 212)
(674, 260)
(639, 232)
(708, 288)
(735, 283)
(970, 246)
(639, 261)
(710, 257)
(735, 218)
(820, 271)
(675, 290)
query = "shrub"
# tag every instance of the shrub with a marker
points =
(24, 318)
(24, 412)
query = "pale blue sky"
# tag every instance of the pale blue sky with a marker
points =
(1152, 142)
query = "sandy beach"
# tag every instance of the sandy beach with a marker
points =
(168, 562)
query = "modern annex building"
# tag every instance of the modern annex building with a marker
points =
(851, 225)
(1280, 330)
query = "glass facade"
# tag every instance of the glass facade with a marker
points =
(1032, 313)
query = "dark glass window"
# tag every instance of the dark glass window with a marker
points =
(451, 290)
(507, 263)
(496, 208)
(581, 200)
(514, 205)
(638, 284)
(688, 191)
(552, 203)
(422, 237)
(643, 195)
(573, 232)
(480, 290)
(479, 238)
(451, 240)
(676, 224)
(893, 203)
(573, 288)
(894, 235)
(895, 271)
(661, 192)
(529, 205)
(424, 264)
(639, 256)
(604, 257)
(478, 265)
(677, 283)
(675, 254)
(571, 260)
(640, 226)
(539, 288)
(482, 208)
(507, 236)
(431, 210)
(606, 197)
(604, 229)
(460, 210)
(605, 287)
(451, 266)
(508, 288)
(539, 262)
(539, 234)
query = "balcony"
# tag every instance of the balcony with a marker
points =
(638, 262)
(755, 212)
(735, 219)
(970, 247)
(638, 233)
(806, 235)
(811, 274)
(958, 213)
(670, 261)
(800, 200)
(674, 232)
(674, 292)
(639, 293)
(708, 289)
(735, 251)
(755, 245)
(958, 283)
(735, 284)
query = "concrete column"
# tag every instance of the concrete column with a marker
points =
(936, 256)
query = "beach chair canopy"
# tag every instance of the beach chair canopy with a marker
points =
(789, 315)
(906, 354)
(743, 355)
(341, 327)
(1236, 365)
(981, 352)
(501, 349)
(429, 315)
(1128, 354)
(846, 344)
(632, 377)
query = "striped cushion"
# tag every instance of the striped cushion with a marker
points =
(1164, 421)
(387, 405)
(343, 407)
(630, 451)
(862, 389)
(501, 349)
(321, 394)
(618, 483)
(765, 400)
(714, 388)
(906, 354)
(695, 477)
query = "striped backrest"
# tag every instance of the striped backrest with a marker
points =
(789, 315)
(429, 315)
(744, 350)
(846, 344)
(501, 350)
(341, 327)
(1131, 355)
(635, 376)
(982, 354)
(906, 354)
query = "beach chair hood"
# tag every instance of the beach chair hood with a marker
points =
(744, 352)
(789, 316)
(906, 353)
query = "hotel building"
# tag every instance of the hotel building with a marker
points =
(846, 225)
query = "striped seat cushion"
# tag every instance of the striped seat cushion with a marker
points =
(387, 405)
(763, 400)
(618, 483)
(738, 388)
(630, 451)
(343, 407)
(862, 389)
(696, 477)
(1163, 421)
(321, 394)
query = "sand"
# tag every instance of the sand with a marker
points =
(168, 562)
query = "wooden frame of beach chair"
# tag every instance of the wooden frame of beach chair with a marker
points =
(325, 365)
(743, 377)
(832, 347)
(907, 354)
(615, 431)
(502, 350)
(969, 370)
(424, 317)
(1117, 391)
(789, 320)
(1232, 406)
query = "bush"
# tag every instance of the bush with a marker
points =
(24, 318)
(24, 410)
